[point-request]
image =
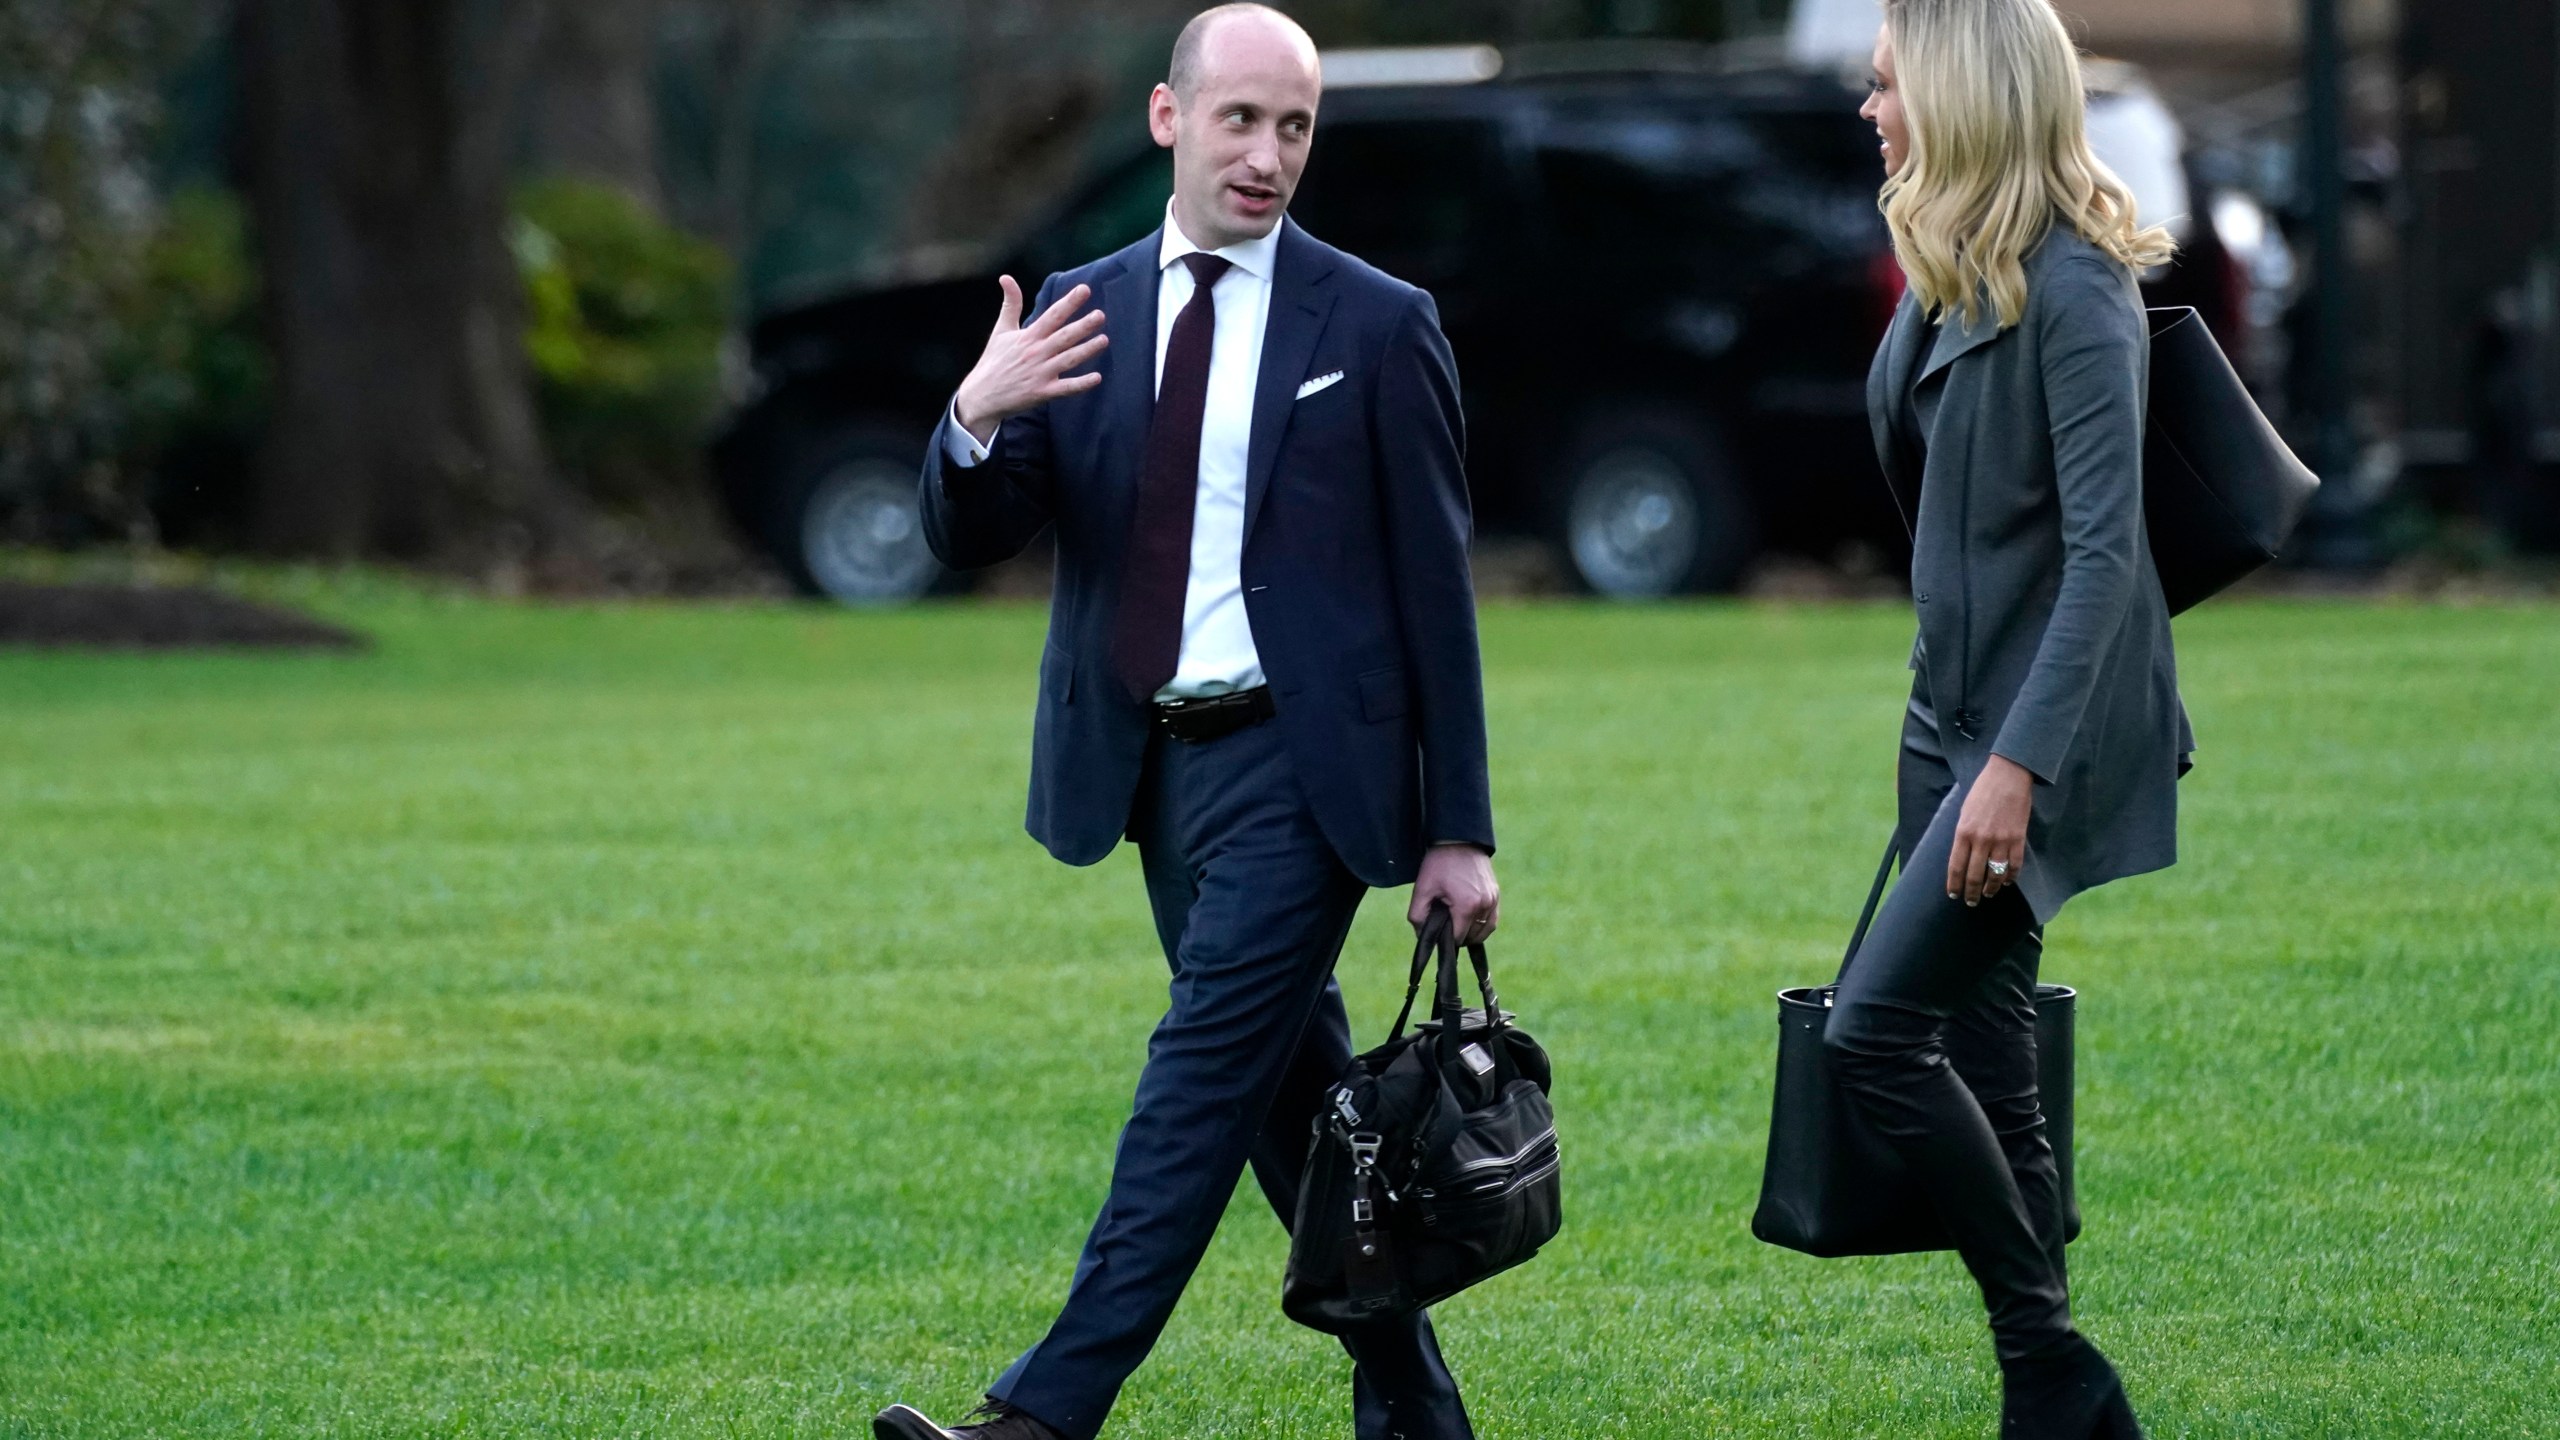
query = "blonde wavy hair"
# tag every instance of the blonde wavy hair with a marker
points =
(1999, 150)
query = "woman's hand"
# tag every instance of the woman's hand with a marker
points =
(1992, 827)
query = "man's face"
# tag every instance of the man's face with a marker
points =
(1240, 138)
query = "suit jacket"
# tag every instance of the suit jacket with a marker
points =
(2040, 613)
(1355, 565)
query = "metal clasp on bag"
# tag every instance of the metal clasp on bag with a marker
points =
(1364, 1164)
(1364, 1150)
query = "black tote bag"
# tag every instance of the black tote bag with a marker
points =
(2221, 490)
(1832, 1186)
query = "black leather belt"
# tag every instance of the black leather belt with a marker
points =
(1213, 717)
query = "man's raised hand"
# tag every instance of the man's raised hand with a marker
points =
(1026, 365)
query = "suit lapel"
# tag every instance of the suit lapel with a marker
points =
(1128, 300)
(1900, 353)
(1955, 338)
(1299, 306)
(1910, 333)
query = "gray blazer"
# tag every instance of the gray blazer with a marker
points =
(2046, 638)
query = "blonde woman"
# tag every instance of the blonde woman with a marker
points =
(2044, 738)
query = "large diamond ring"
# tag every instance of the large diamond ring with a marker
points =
(1998, 867)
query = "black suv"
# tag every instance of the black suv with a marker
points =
(1662, 287)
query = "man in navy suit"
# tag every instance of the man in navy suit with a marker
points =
(1261, 666)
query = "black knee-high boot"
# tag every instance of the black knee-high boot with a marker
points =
(2069, 1392)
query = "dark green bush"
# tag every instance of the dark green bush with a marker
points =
(627, 318)
(188, 368)
(190, 359)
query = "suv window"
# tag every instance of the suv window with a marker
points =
(1694, 185)
(1650, 180)
(1416, 198)
(1115, 211)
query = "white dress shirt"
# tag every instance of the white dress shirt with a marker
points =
(1218, 655)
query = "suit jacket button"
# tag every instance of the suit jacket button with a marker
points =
(1924, 599)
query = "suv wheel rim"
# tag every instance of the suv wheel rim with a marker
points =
(861, 538)
(1633, 526)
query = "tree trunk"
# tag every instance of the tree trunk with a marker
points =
(749, 35)
(1029, 107)
(594, 107)
(377, 139)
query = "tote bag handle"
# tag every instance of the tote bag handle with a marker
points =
(1438, 938)
(1867, 917)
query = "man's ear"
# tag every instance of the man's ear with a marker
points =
(1162, 111)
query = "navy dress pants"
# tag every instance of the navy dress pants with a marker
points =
(1252, 906)
(1932, 1034)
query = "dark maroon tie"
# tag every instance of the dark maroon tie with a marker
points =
(1146, 641)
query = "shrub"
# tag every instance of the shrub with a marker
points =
(191, 356)
(627, 318)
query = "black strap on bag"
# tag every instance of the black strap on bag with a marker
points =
(1867, 916)
(1439, 937)
(1401, 1139)
(1438, 940)
(1404, 1136)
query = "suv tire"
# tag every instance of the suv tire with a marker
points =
(847, 529)
(1650, 504)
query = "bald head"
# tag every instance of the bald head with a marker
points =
(1227, 35)
(1238, 110)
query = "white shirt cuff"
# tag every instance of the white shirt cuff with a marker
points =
(961, 446)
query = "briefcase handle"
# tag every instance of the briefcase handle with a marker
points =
(1438, 938)
(1867, 917)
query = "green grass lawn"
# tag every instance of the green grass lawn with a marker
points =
(654, 1021)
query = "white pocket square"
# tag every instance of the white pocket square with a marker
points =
(1318, 383)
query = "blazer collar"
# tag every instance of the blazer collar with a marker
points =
(1254, 257)
(1956, 338)
(1889, 385)
(1905, 340)
(1300, 302)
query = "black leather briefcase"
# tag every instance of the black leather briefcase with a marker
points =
(1832, 1186)
(2220, 488)
(1434, 1162)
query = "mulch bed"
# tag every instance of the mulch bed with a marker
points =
(156, 617)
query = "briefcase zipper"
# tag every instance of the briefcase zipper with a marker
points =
(1490, 1161)
(1513, 1186)
(1509, 1183)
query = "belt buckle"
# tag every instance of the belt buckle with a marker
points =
(1172, 714)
